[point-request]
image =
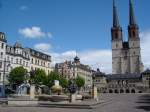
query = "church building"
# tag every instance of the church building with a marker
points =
(126, 55)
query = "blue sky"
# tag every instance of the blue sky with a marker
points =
(62, 27)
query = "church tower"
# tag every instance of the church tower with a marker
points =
(134, 42)
(126, 55)
(117, 42)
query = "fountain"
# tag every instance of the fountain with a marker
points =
(56, 88)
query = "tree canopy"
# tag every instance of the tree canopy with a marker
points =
(40, 77)
(17, 75)
(80, 81)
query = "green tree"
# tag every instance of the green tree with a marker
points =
(17, 75)
(51, 77)
(54, 75)
(79, 82)
(40, 77)
(63, 82)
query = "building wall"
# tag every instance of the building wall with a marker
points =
(72, 70)
(37, 63)
(15, 56)
(116, 56)
(101, 83)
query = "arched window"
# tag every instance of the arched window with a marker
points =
(133, 33)
(116, 35)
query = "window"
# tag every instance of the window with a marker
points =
(26, 64)
(0, 77)
(116, 35)
(12, 60)
(35, 61)
(2, 45)
(7, 58)
(38, 62)
(32, 61)
(133, 33)
(20, 61)
(1, 55)
(48, 64)
(32, 68)
(0, 64)
(116, 45)
(17, 60)
(23, 63)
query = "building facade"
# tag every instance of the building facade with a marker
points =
(16, 55)
(126, 55)
(100, 81)
(72, 69)
(127, 68)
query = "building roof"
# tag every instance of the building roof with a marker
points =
(40, 55)
(125, 45)
(123, 76)
(98, 73)
(147, 71)
(18, 45)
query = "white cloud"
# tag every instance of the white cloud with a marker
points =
(145, 48)
(43, 47)
(23, 8)
(102, 58)
(98, 59)
(95, 58)
(34, 32)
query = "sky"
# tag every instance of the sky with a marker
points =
(66, 28)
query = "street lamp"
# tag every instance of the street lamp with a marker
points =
(4, 73)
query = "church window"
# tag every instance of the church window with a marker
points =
(116, 45)
(116, 35)
(125, 57)
(133, 44)
(133, 33)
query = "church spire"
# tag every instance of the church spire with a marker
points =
(116, 30)
(115, 16)
(131, 14)
(133, 31)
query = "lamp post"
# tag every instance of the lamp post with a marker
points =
(4, 73)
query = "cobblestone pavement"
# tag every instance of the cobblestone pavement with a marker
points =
(116, 103)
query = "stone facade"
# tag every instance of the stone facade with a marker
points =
(122, 83)
(126, 55)
(100, 81)
(127, 68)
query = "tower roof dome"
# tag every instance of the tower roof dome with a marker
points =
(76, 58)
(2, 37)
